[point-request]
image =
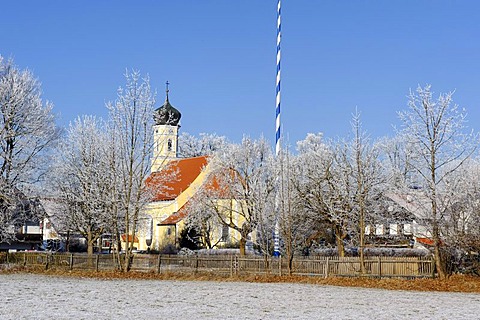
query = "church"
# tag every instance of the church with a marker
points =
(175, 181)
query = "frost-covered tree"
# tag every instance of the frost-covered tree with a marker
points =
(103, 166)
(361, 174)
(239, 187)
(81, 180)
(131, 120)
(436, 130)
(312, 174)
(297, 225)
(27, 132)
(203, 145)
(460, 204)
(340, 182)
(202, 220)
(397, 156)
(322, 187)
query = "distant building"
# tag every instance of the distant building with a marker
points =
(25, 226)
(407, 218)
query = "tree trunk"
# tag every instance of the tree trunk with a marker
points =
(206, 237)
(289, 253)
(439, 261)
(243, 242)
(339, 240)
(290, 264)
(437, 253)
(362, 239)
(90, 243)
(67, 242)
(118, 251)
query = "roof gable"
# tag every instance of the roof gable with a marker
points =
(183, 173)
(175, 217)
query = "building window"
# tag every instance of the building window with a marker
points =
(169, 144)
(225, 233)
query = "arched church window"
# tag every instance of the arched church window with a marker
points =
(225, 230)
(169, 144)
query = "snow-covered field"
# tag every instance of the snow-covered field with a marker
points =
(27, 296)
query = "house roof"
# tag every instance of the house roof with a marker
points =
(427, 241)
(175, 217)
(415, 202)
(124, 238)
(182, 172)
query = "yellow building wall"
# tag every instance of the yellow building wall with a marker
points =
(160, 210)
(231, 210)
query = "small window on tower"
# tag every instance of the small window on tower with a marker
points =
(169, 144)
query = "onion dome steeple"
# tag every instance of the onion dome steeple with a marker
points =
(167, 114)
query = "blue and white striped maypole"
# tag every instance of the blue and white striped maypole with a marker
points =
(277, 100)
(276, 238)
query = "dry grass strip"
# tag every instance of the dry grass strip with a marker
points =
(455, 283)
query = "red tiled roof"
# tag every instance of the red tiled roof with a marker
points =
(175, 217)
(124, 238)
(183, 172)
(427, 241)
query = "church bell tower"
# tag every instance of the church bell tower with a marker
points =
(165, 134)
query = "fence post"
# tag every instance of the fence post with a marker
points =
(327, 267)
(280, 265)
(433, 268)
(24, 259)
(8, 260)
(236, 265)
(269, 266)
(159, 264)
(71, 261)
(46, 261)
(379, 267)
(196, 263)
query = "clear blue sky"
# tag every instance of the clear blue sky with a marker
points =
(219, 57)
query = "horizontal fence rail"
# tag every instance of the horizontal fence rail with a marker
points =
(379, 267)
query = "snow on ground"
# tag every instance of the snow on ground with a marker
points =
(26, 296)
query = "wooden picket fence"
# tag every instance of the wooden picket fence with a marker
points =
(379, 267)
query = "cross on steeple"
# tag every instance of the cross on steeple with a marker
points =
(166, 85)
